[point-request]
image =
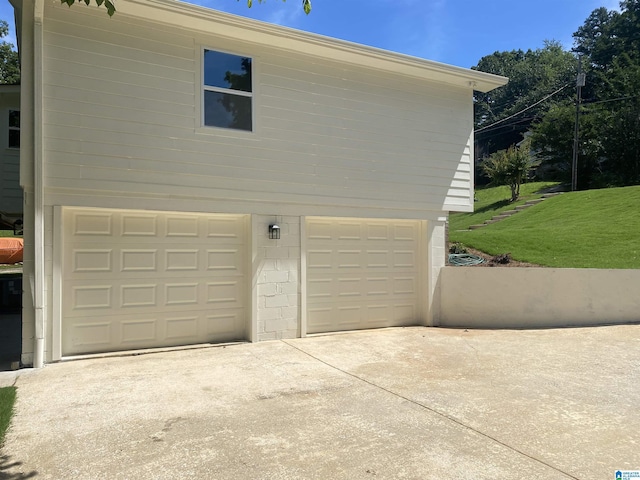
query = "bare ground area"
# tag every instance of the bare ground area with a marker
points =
(503, 260)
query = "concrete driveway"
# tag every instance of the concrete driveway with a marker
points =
(415, 403)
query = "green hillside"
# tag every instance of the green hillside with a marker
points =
(590, 229)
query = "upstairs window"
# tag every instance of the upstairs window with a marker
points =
(228, 91)
(14, 129)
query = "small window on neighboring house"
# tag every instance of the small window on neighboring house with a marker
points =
(227, 91)
(14, 129)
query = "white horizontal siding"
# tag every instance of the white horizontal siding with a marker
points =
(10, 191)
(121, 118)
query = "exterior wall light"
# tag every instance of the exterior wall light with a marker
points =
(274, 232)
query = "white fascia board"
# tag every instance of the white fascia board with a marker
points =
(193, 17)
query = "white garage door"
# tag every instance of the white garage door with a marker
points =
(362, 273)
(140, 279)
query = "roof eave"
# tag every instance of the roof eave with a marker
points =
(194, 17)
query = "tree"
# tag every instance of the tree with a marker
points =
(306, 5)
(533, 76)
(609, 140)
(111, 8)
(552, 140)
(9, 61)
(510, 167)
(610, 44)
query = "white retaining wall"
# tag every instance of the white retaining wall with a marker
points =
(537, 297)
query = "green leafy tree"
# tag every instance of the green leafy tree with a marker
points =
(553, 139)
(9, 61)
(510, 167)
(306, 5)
(619, 128)
(609, 141)
(111, 8)
(533, 75)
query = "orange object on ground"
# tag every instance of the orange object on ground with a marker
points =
(11, 250)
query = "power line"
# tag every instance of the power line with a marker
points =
(612, 100)
(525, 109)
(511, 124)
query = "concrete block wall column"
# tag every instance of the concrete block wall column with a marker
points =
(436, 260)
(278, 277)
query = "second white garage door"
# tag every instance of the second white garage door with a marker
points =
(362, 273)
(140, 279)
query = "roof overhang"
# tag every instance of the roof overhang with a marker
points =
(193, 17)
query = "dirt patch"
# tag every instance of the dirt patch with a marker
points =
(503, 260)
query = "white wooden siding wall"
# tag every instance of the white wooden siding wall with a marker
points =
(10, 190)
(121, 115)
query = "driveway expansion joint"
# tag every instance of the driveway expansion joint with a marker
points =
(435, 411)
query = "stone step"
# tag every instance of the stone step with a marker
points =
(522, 207)
(474, 227)
(509, 212)
(500, 217)
(534, 202)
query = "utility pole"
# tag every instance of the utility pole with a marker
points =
(580, 82)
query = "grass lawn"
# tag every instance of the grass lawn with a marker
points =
(590, 229)
(492, 201)
(7, 399)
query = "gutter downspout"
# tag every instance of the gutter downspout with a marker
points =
(38, 184)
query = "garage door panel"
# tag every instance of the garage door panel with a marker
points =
(91, 260)
(91, 224)
(181, 294)
(182, 328)
(378, 286)
(86, 261)
(224, 326)
(89, 336)
(226, 261)
(163, 329)
(227, 231)
(407, 286)
(139, 225)
(138, 295)
(138, 260)
(360, 316)
(93, 299)
(139, 331)
(323, 287)
(362, 273)
(144, 279)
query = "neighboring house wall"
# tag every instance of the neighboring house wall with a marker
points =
(537, 297)
(10, 190)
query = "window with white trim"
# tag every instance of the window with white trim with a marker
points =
(14, 128)
(227, 91)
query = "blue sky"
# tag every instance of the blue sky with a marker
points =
(458, 32)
